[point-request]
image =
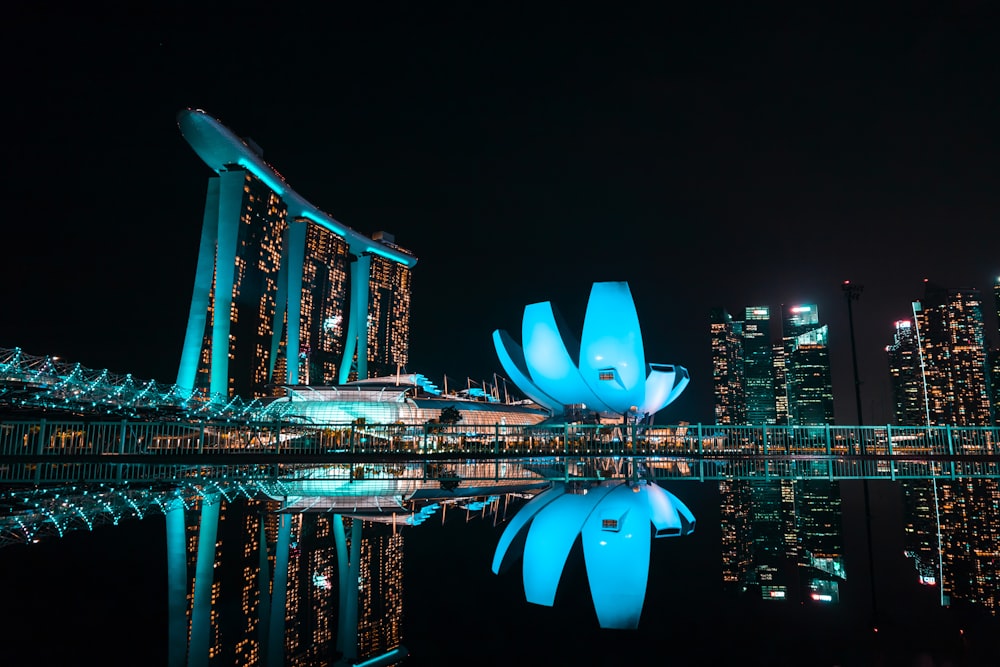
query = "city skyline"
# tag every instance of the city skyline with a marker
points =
(705, 164)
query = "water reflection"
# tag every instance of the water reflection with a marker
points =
(783, 540)
(302, 589)
(777, 573)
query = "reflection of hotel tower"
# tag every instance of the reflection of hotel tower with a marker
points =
(237, 602)
(781, 538)
(938, 370)
(296, 284)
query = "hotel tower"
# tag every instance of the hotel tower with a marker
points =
(283, 292)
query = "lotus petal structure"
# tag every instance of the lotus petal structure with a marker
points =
(615, 521)
(605, 371)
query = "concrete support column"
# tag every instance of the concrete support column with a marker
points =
(275, 648)
(294, 258)
(357, 326)
(230, 209)
(264, 577)
(205, 269)
(348, 570)
(204, 577)
(177, 635)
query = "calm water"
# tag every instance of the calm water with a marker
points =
(100, 597)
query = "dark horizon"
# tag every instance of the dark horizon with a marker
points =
(708, 160)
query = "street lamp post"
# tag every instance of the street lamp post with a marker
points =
(853, 292)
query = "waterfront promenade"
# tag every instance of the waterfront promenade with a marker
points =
(42, 451)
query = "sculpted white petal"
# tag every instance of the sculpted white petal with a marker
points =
(606, 371)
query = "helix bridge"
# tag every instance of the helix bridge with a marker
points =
(32, 382)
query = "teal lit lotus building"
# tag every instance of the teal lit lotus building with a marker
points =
(616, 519)
(605, 370)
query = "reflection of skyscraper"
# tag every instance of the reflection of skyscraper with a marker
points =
(771, 531)
(284, 293)
(807, 367)
(737, 557)
(970, 514)
(727, 368)
(380, 600)
(224, 612)
(311, 603)
(818, 526)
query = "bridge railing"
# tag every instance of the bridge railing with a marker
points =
(47, 450)
(66, 438)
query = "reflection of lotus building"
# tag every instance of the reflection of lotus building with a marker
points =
(615, 522)
(606, 371)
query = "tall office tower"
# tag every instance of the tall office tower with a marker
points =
(807, 367)
(758, 364)
(949, 327)
(905, 376)
(309, 300)
(778, 359)
(995, 357)
(994, 362)
(727, 368)
(948, 324)
(996, 303)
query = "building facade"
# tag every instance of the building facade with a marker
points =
(284, 293)
(906, 379)
(759, 365)
(808, 384)
(728, 382)
(952, 346)
(782, 540)
(939, 371)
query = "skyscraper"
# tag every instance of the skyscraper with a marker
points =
(728, 368)
(994, 359)
(996, 303)
(949, 327)
(952, 536)
(781, 539)
(759, 365)
(807, 367)
(307, 299)
(905, 376)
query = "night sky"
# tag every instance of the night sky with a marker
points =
(721, 158)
